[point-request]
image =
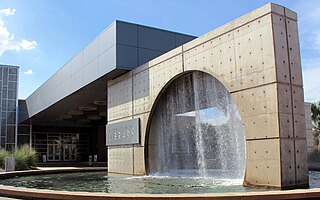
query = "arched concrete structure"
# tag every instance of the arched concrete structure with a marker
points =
(257, 58)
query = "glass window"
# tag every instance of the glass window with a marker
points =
(11, 105)
(13, 77)
(4, 115)
(10, 134)
(12, 85)
(23, 139)
(12, 94)
(4, 105)
(11, 118)
(3, 142)
(3, 130)
(23, 129)
(0, 73)
(13, 70)
(4, 92)
(5, 76)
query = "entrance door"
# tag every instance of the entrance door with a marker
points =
(69, 152)
(54, 152)
(62, 147)
(66, 152)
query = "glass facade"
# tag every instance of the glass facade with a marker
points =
(61, 146)
(8, 105)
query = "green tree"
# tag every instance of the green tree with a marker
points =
(315, 116)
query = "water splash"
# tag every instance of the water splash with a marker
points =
(196, 130)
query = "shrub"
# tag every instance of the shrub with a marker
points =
(3, 155)
(25, 157)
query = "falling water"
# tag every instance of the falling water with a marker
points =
(196, 130)
(199, 133)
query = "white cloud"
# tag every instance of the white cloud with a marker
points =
(29, 72)
(25, 44)
(7, 39)
(7, 12)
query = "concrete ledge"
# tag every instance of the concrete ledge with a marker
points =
(50, 194)
(51, 170)
(28, 193)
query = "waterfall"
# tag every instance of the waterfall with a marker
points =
(196, 130)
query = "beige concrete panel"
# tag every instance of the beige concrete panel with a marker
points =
(216, 42)
(263, 172)
(120, 120)
(290, 14)
(284, 98)
(141, 68)
(120, 97)
(288, 177)
(120, 160)
(294, 52)
(275, 8)
(261, 22)
(257, 101)
(120, 111)
(286, 125)
(299, 126)
(123, 77)
(268, 149)
(263, 162)
(255, 49)
(280, 48)
(252, 79)
(139, 162)
(218, 61)
(243, 20)
(141, 92)
(166, 56)
(143, 126)
(162, 73)
(261, 126)
(301, 162)
(142, 105)
(297, 100)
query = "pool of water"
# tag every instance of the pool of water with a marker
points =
(102, 182)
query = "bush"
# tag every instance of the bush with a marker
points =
(3, 155)
(25, 157)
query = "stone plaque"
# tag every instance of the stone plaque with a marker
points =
(123, 133)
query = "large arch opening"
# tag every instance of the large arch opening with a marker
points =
(196, 130)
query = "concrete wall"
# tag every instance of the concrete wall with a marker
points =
(307, 107)
(257, 58)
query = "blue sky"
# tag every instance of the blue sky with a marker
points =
(40, 36)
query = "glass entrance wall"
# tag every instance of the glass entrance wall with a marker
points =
(61, 146)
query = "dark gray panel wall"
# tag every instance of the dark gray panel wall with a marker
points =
(122, 46)
(148, 43)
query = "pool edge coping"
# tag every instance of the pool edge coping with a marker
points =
(21, 192)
